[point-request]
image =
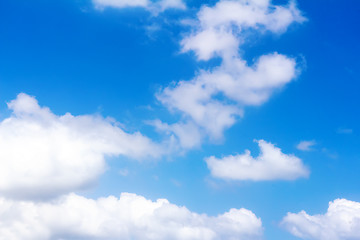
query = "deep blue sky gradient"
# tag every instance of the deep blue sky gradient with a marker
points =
(76, 59)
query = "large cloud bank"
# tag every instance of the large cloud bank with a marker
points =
(129, 217)
(340, 222)
(43, 154)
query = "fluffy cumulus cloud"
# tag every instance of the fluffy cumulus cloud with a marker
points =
(306, 145)
(215, 98)
(220, 28)
(271, 164)
(202, 99)
(341, 222)
(128, 217)
(45, 154)
(153, 6)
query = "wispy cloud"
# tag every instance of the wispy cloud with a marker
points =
(306, 145)
(153, 6)
(344, 131)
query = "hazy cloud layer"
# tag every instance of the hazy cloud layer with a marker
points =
(130, 217)
(340, 222)
(43, 154)
(271, 164)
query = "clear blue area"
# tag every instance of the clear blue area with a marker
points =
(76, 59)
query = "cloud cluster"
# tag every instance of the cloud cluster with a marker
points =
(44, 157)
(130, 217)
(341, 222)
(152, 6)
(43, 154)
(271, 164)
(215, 98)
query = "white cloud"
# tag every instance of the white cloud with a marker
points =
(271, 164)
(153, 6)
(341, 222)
(128, 217)
(306, 145)
(42, 154)
(220, 28)
(239, 85)
(214, 99)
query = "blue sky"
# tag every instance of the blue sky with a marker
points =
(131, 64)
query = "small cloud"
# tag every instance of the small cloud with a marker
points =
(151, 30)
(176, 183)
(123, 172)
(344, 131)
(271, 164)
(306, 145)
